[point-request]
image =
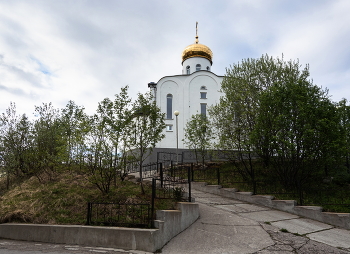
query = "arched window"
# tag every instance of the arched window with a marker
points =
(204, 109)
(169, 106)
(203, 88)
(188, 69)
(208, 68)
(198, 67)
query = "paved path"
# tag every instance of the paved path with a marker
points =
(232, 226)
(24, 247)
(226, 226)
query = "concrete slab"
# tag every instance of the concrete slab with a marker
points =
(253, 208)
(204, 195)
(301, 226)
(335, 237)
(242, 208)
(217, 233)
(212, 215)
(270, 215)
(217, 201)
(232, 208)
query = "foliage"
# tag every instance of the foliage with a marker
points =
(235, 116)
(297, 130)
(47, 151)
(76, 126)
(68, 139)
(106, 146)
(343, 110)
(145, 128)
(272, 112)
(15, 140)
(199, 135)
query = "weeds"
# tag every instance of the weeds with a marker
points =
(64, 201)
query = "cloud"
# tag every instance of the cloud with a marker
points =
(56, 51)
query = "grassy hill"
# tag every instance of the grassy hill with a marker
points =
(63, 200)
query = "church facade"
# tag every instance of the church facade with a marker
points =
(189, 93)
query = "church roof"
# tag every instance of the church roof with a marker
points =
(197, 50)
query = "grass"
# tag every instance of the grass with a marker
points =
(64, 200)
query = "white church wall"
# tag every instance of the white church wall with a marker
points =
(201, 80)
(185, 90)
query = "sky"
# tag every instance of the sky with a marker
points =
(86, 50)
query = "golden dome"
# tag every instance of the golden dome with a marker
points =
(197, 50)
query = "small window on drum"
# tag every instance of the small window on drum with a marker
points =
(188, 69)
(208, 68)
(198, 67)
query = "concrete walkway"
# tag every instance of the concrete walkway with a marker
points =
(232, 226)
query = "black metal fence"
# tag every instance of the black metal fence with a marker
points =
(328, 195)
(148, 170)
(126, 214)
(173, 182)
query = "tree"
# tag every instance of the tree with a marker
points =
(106, 142)
(15, 139)
(235, 115)
(298, 127)
(48, 150)
(199, 135)
(117, 115)
(75, 124)
(101, 171)
(145, 128)
(343, 110)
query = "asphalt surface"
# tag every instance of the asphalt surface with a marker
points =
(20, 247)
(231, 226)
(227, 226)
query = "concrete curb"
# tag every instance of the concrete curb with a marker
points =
(312, 212)
(169, 223)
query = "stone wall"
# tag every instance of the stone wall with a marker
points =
(169, 223)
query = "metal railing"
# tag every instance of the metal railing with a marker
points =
(170, 183)
(126, 214)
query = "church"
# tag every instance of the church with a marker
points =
(186, 94)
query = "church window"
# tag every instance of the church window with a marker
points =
(203, 88)
(169, 106)
(208, 68)
(203, 95)
(198, 67)
(204, 109)
(188, 69)
(169, 127)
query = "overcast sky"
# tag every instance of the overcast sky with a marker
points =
(61, 50)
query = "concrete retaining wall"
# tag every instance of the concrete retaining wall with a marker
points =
(313, 212)
(169, 223)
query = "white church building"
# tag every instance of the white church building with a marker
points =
(189, 93)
